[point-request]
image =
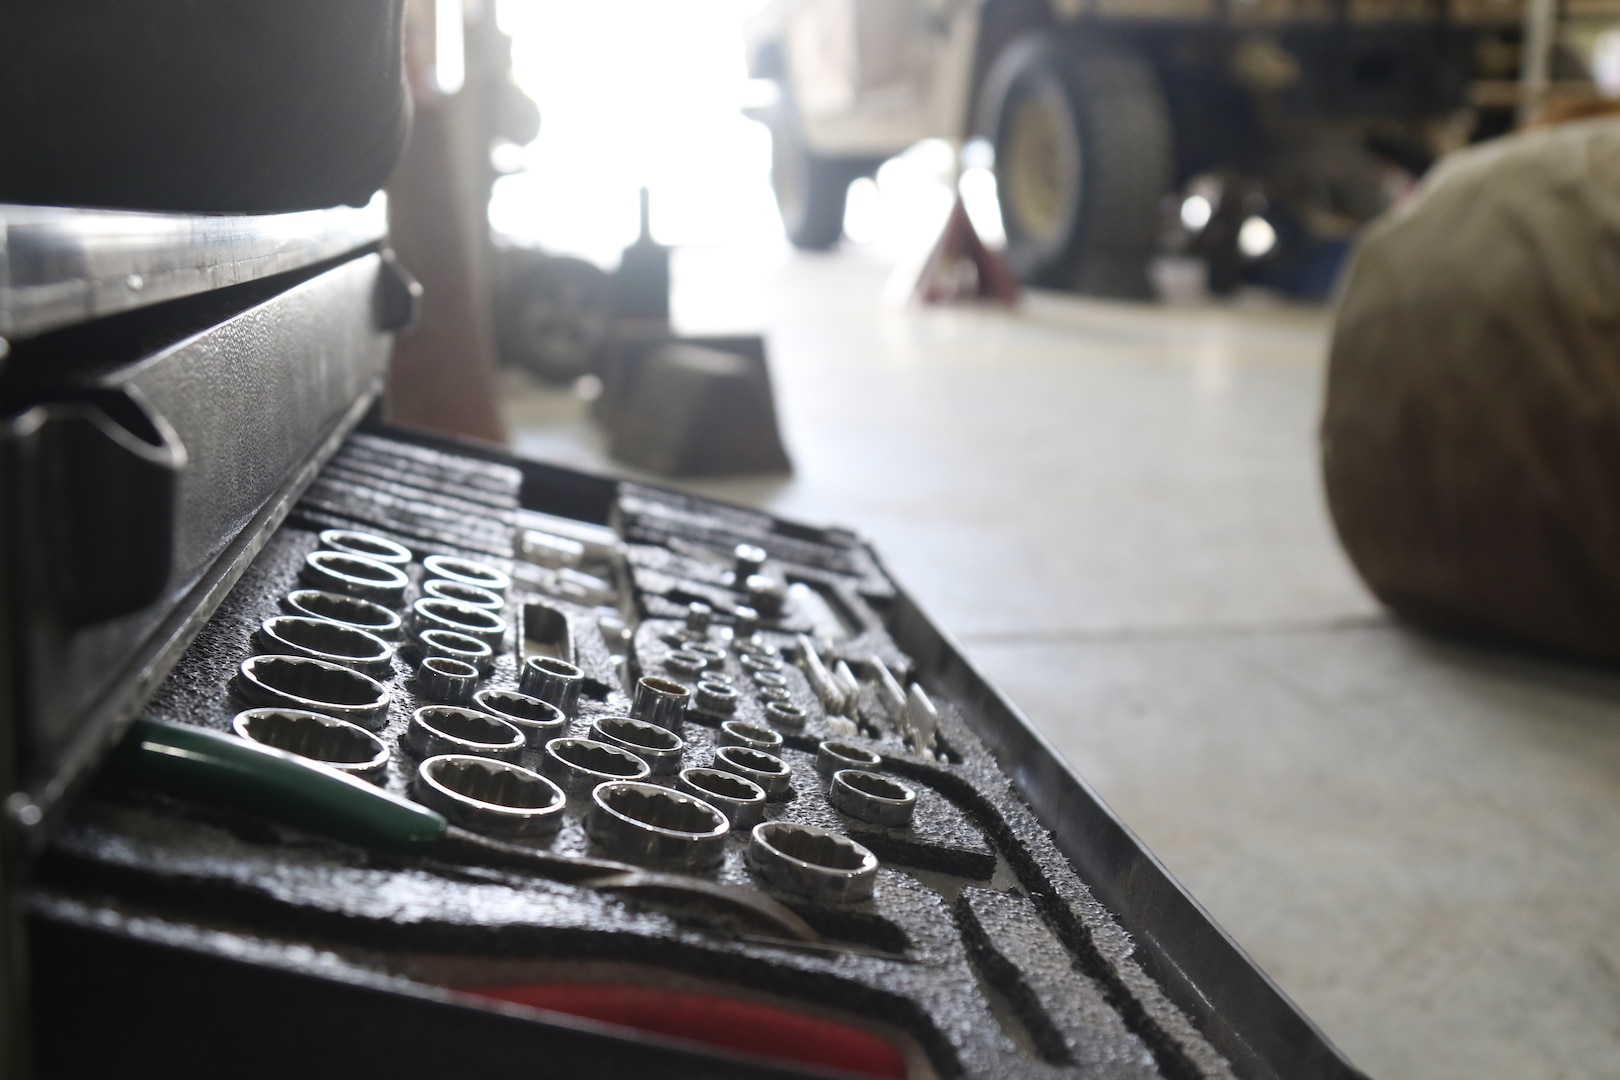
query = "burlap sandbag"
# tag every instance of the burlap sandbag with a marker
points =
(1471, 440)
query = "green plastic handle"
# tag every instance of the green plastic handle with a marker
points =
(211, 766)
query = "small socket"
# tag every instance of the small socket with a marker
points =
(685, 663)
(355, 575)
(540, 721)
(833, 755)
(468, 572)
(334, 743)
(659, 747)
(579, 765)
(444, 681)
(660, 701)
(815, 864)
(434, 613)
(655, 826)
(370, 545)
(716, 699)
(784, 714)
(553, 680)
(462, 593)
(348, 610)
(490, 796)
(336, 643)
(748, 559)
(737, 797)
(302, 682)
(767, 770)
(449, 729)
(753, 736)
(714, 657)
(457, 646)
(874, 798)
(756, 662)
(745, 622)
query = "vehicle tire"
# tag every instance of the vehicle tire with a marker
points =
(810, 188)
(552, 314)
(1084, 156)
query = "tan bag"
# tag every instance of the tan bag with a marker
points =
(1471, 439)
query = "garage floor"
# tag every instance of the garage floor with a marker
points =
(1116, 510)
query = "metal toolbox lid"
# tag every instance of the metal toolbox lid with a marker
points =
(62, 265)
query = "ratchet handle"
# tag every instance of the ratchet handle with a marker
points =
(213, 767)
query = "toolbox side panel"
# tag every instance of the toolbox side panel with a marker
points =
(261, 392)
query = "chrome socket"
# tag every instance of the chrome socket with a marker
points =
(770, 772)
(737, 797)
(349, 610)
(457, 646)
(370, 545)
(579, 765)
(874, 798)
(659, 747)
(336, 643)
(748, 560)
(757, 646)
(335, 743)
(765, 593)
(753, 736)
(769, 694)
(433, 613)
(490, 796)
(784, 714)
(467, 572)
(685, 663)
(451, 729)
(302, 682)
(745, 622)
(355, 575)
(769, 678)
(462, 593)
(660, 701)
(714, 657)
(655, 826)
(552, 680)
(714, 698)
(445, 681)
(833, 755)
(815, 864)
(699, 616)
(760, 662)
(540, 721)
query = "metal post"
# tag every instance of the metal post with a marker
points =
(1535, 61)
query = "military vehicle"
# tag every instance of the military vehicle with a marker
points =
(1104, 114)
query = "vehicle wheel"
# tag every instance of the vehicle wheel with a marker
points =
(810, 188)
(552, 315)
(1083, 158)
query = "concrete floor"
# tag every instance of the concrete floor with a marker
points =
(1116, 509)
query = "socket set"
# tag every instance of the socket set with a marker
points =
(690, 696)
(328, 748)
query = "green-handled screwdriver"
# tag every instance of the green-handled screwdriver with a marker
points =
(213, 767)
